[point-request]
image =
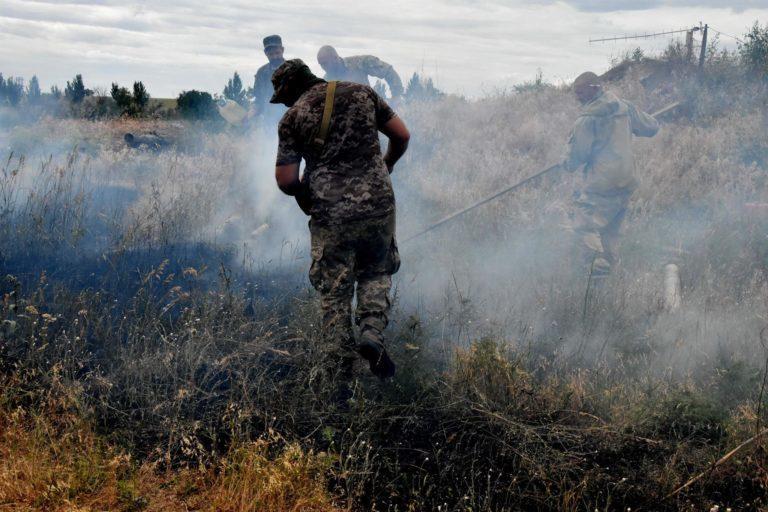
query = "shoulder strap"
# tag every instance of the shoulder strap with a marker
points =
(322, 134)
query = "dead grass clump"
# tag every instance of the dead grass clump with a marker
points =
(254, 479)
(51, 459)
(484, 369)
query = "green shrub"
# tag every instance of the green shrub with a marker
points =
(684, 416)
(76, 91)
(754, 50)
(122, 97)
(234, 90)
(196, 105)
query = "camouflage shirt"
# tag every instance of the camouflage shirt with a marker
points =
(359, 67)
(347, 177)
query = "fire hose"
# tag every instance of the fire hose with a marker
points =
(512, 188)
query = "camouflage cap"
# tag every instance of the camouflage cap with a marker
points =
(273, 40)
(291, 77)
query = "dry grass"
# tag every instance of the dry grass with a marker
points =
(293, 481)
(52, 460)
(158, 351)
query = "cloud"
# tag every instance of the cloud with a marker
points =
(639, 5)
(469, 46)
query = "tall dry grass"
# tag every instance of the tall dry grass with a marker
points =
(126, 289)
(53, 460)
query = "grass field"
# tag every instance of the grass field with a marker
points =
(159, 346)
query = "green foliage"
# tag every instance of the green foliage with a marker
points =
(129, 497)
(234, 90)
(196, 105)
(422, 89)
(33, 91)
(122, 97)
(754, 50)
(11, 90)
(140, 96)
(55, 91)
(537, 84)
(127, 103)
(75, 91)
(685, 415)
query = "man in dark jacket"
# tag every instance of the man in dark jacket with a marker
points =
(262, 83)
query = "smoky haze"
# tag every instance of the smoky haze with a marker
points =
(506, 270)
(161, 346)
(510, 269)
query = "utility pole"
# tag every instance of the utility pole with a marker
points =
(703, 53)
(689, 46)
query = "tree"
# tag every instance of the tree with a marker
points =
(421, 89)
(196, 105)
(122, 97)
(75, 90)
(11, 90)
(234, 90)
(754, 50)
(55, 91)
(33, 91)
(140, 96)
(130, 103)
(414, 89)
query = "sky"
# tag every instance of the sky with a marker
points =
(469, 47)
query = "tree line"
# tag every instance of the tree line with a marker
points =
(135, 101)
(78, 100)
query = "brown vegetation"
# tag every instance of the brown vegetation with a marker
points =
(159, 352)
(51, 459)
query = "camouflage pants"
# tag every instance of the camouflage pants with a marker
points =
(362, 252)
(597, 223)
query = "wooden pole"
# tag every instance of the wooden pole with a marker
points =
(703, 53)
(688, 46)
